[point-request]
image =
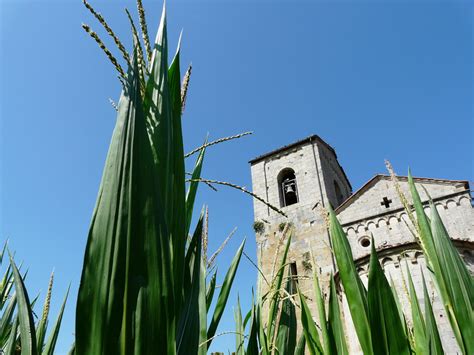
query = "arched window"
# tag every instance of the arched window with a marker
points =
(338, 192)
(287, 187)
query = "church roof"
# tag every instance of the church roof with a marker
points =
(309, 139)
(379, 177)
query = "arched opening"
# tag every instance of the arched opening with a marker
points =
(287, 187)
(338, 193)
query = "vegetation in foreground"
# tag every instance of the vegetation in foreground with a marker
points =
(143, 258)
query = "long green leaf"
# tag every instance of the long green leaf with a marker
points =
(300, 346)
(224, 294)
(388, 336)
(210, 290)
(335, 326)
(25, 314)
(451, 275)
(286, 332)
(432, 334)
(328, 344)
(193, 186)
(419, 328)
(275, 289)
(7, 316)
(239, 330)
(309, 328)
(255, 327)
(188, 334)
(53, 336)
(354, 289)
(10, 348)
(128, 250)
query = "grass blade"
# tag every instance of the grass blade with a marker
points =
(335, 326)
(210, 290)
(354, 289)
(327, 342)
(53, 337)
(224, 294)
(309, 328)
(419, 328)
(10, 348)
(25, 314)
(432, 334)
(286, 332)
(388, 336)
(239, 330)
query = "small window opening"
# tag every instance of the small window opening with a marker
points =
(365, 242)
(338, 192)
(294, 278)
(287, 188)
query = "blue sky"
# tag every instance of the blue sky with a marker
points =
(375, 79)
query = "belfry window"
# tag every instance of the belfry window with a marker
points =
(287, 187)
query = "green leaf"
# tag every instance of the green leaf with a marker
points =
(275, 288)
(189, 325)
(210, 290)
(128, 252)
(286, 332)
(239, 330)
(432, 334)
(193, 186)
(10, 348)
(255, 327)
(419, 330)
(309, 328)
(25, 314)
(388, 336)
(53, 336)
(354, 289)
(328, 344)
(7, 316)
(450, 273)
(335, 326)
(224, 294)
(300, 346)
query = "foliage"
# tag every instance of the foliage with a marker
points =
(18, 331)
(258, 227)
(143, 286)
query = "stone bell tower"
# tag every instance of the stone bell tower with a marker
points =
(297, 178)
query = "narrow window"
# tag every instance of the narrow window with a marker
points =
(294, 278)
(338, 193)
(287, 187)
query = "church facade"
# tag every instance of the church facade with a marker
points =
(305, 177)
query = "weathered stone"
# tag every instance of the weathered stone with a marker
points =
(373, 211)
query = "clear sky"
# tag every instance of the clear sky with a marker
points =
(375, 79)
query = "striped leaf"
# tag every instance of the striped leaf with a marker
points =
(355, 291)
(388, 336)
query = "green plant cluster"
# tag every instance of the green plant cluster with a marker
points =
(258, 227)
(19, 333)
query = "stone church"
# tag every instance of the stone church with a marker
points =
(299, 177)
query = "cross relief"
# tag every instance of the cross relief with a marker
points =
(386, 202)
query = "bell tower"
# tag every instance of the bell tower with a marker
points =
(297, 178)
